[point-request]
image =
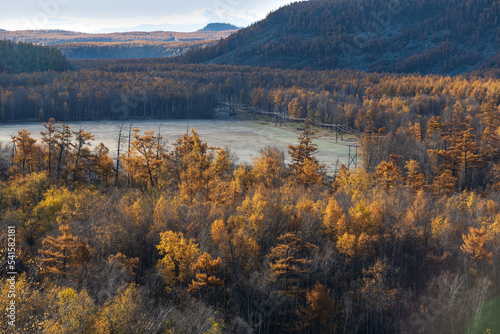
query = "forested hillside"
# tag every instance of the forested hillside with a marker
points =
(26, 57)
(174, 237)
(426, 36)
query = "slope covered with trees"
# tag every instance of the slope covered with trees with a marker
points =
(425, 36)
(175, 237)
(26, 57)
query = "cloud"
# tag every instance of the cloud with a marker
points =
(94, 15)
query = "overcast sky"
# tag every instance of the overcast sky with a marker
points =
(106, 15)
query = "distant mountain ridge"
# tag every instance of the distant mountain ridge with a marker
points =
(134, 44)
(426, 36)
(52, 37)
(152, 27)
(219, 27)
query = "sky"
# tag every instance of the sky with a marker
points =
(106, 16)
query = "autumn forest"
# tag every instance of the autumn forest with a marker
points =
(174, 237)
(157, 236)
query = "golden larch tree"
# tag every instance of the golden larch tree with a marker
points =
(26, 154)
(414, 178)
(474, 244)
(305, 167)
(318, 312)
(145, 157)
(388, 174)
(59, 253)
(179, 256)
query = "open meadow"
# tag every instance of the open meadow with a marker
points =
(243, 138)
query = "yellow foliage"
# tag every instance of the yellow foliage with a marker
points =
(440, 227)
(244, 177)
(103, 162)
(76, 313)
(234, 242)
(51, 205)
(207, 269)
(474, 244)
(346, 244)
(471, 201)
(255, 207)
(269, 167)
(26, 298)
(356, 184)
(311, 172)
(334, 221)
(365, 219)
(414, 177)
(179, 256)
(444, 183)
(59, 253)
(413, 224)
(374, 290)
(144, 157)
(318, 311)
(493, 229)
(160, 214)
(304, 207)
(388, 174)
(490, 218)
(200, 166)
(467, 201)
(415, 131)
(256, 212)
(217, 327)
(136, 212)
(26, 154)
(342, 177)
(122, 314)
(289, 261)
(364, 247)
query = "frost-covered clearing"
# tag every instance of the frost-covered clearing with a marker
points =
(244, 138)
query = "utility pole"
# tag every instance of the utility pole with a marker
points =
(353, 156)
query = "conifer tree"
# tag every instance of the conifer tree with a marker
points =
(289, 262)
(318, 312)
(145, 157)
(414, 177)
(474, 243)
(490, 140)
(305, 167)
(388, 174)
(179, 257)
(26, 156)
(62, 141)
(48, 137)
(444, 182)
(465, 150)
(83, 139)
(102, 162)
(58, 255)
